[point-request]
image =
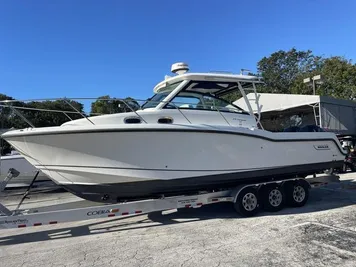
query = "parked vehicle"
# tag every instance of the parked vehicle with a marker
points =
(349, 144)
(349, 162)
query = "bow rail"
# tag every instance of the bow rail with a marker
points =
(16, 106)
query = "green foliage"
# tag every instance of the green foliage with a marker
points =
(41, 118)
(340, 78)
(40, 114)
(284, 71)
(107, 105)
(8, 118)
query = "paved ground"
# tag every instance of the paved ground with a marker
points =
(323, 233)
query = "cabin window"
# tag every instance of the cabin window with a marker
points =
(189, 102)
(214, 103)
(132, 120)
(185, 100)
(166, 120)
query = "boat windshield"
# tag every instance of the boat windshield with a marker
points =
(157, 98)
(199, 95)
(208, 95)
(200, 101)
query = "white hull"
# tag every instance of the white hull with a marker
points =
(146, 153)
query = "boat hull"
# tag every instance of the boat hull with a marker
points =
(109, 165)
(120, 192)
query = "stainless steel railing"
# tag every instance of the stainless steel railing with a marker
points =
(16, 109)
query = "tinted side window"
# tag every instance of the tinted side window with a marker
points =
(184, 102)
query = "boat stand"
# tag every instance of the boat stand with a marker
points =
(27, 191)
(13, 173)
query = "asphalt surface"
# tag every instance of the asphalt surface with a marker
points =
(323, 233)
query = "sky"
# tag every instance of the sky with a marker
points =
(86, 48)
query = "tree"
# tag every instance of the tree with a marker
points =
(4, 112)
(59, 112)
(107, 105)
(9, 118)
(39, 113)
(134, 105)
(5, 123)
(339, 78)
(281, 70)
(284, 72)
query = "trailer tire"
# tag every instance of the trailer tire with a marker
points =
(247, 203)
(272, 197)
(297, 193)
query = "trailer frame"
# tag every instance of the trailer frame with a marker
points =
(76, 212)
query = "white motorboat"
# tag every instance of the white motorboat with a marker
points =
(185, 138)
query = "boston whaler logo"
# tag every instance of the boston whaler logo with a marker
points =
(322, 147)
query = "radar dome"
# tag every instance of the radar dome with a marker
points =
(179, 68)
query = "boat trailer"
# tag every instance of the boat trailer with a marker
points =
(247, 200)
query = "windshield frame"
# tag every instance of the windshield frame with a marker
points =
(165, 98)
(165, 91)
(186, 91)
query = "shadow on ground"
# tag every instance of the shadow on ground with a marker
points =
(330, 197)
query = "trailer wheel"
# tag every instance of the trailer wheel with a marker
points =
(297, 193)
(272, 197)
(247, 203)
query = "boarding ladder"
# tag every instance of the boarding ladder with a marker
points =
(253, 101)
(316, 115)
